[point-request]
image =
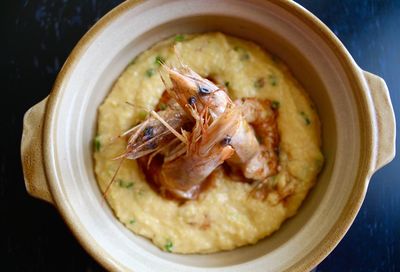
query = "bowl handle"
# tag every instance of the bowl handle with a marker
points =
(386, 122)
(32, 153)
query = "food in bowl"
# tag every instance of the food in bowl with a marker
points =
(232, 205)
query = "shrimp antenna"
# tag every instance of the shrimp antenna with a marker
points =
(113, 178)
(137, 106)
(129, 131)
(178, 56)
(165, 67)
(138, 128)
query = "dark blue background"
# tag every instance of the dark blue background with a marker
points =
(37, 37)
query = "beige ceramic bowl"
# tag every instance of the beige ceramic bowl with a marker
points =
(354, 106)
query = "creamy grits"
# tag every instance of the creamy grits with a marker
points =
(223, 217)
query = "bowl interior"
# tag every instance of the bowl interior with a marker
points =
(135, 29)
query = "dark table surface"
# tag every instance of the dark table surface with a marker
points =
(37, 38)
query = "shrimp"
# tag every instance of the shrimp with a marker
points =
(152, 135)
(217, 130)
(187, 87)
(256, 161)
(183, 176)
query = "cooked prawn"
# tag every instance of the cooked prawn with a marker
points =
(189, 88)
(222, 130)
(206, 149)
(152, 134)
(256, 160)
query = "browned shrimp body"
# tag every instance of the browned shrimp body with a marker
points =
(256, 157)
(206, 150)
(186, 183)
(266, 128)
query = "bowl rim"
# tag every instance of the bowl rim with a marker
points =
(357, 81)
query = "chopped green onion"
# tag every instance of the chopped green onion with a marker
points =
(142, 115)
(305, 117)
(133, 221)
(272, 79)
(259, 83)
(133, 61)
(168, 246)
(150, 72)
(245, 56)
(125, 184)
(159, 60)
(97, 143)
(179, 38)
(275, 104)
(163, 106)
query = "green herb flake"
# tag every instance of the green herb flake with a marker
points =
(245, 56)
(142, 115)
(133, 221)
(163, 106)
(150, 72)
(259, 83)
(133, 61)
(226, 83)
(97, 143)
(306, 118)
(275, 104)
(125, 184)
(159, 60)
(179, 38)
(168, 246)
(273, 80)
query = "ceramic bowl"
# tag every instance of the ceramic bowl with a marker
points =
(358, 130)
